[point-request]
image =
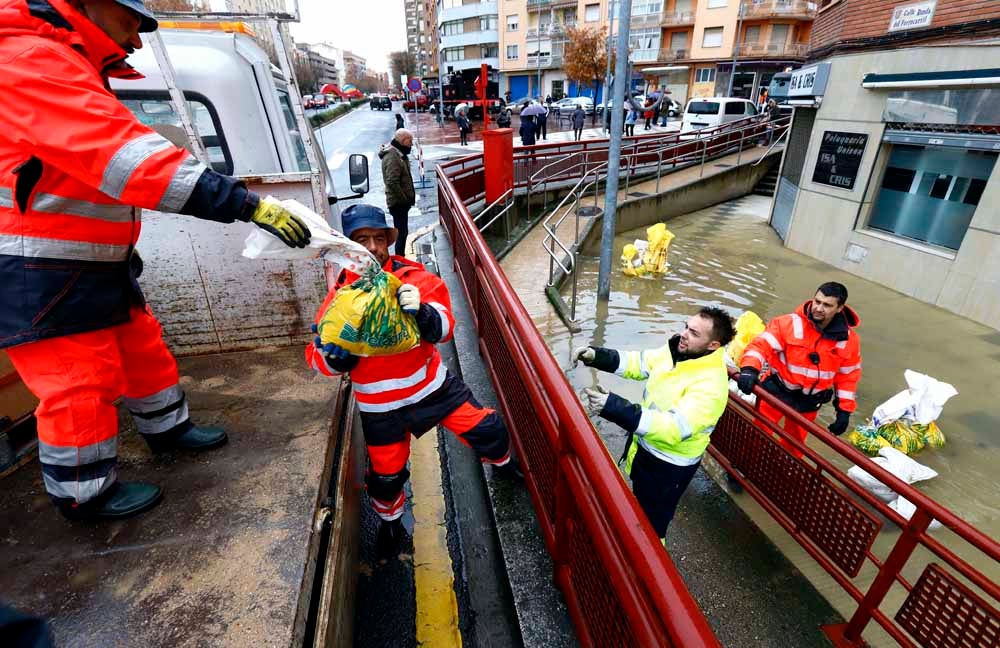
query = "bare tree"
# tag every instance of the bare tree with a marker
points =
(401, 63)
(304, 73)
(586, 57)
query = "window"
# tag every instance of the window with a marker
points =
(734, 108)
(451, 28)
(646, 7)
(512, 54)
(678, 41)
(752, 34)
(592, 13)
(512, 23)
(779, 36)
(451, 4)
(703, 107)
(716, 4)
(155, 109)
(712, 37)
(454, 54)
(487, 23)
(489, 51)
(705, 75)
(930, 194)
(644, 43)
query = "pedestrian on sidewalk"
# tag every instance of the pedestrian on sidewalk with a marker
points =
(579, 117)
(527, 130)
(409, 393)
(541, 126)
(814, 356)
(399, 121)
(464, 128)
(687, 387)
(648, 115)
(503, 119)
(399, 193)
(630, 117)
(773, 115)
(664, 111)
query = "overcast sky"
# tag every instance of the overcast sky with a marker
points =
(369, 28)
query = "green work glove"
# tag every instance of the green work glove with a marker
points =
(275, 219)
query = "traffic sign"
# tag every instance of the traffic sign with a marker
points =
(413, 85)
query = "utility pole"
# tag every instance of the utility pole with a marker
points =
(607, 74)
(440, 62)
(736, 49)
(614, 151)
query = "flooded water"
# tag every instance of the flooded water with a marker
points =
(727, 255)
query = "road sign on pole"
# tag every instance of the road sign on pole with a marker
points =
(413, 85)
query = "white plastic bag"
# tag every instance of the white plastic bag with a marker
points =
(906, 508)
(897, 463)
(922, 402)
(325, 242)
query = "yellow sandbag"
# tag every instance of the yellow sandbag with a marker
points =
(365, 319)
(931, 434)
(654, 259)
(748, 326)
(632, 265)
(866, 439)
(902, 437)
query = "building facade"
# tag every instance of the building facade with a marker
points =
(324, 70)
(468, 34)
(890, 170)
(421, 36)
(533, 41)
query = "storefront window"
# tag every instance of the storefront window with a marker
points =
(930, 194)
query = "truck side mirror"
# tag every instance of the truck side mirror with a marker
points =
(357, 166)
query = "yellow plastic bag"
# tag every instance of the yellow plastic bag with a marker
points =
(932, 435)
(902, 437)
(654, 259)
(866, 439)
(632, 264)
(365, 319)
(748, 326)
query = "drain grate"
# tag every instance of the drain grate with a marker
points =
(638, 194)
(723, 165)
(589, 211)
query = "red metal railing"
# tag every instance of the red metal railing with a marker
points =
(619, 583)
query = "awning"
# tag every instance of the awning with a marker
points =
(944, 79)
(666, 68)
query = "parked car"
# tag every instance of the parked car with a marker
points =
(423, 101)
(307, 101)
(320, 101)
(715, 111)
(569, 104)
(515, 106)
(380, 102)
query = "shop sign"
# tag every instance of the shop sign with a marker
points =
(809, 81)
(840, 158)
(912, 16)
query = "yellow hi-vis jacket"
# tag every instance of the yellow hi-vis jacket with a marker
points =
(681, 404)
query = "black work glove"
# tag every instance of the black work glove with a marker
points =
(839, 426)
(747, 379)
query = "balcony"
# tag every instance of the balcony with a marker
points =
(545, 61)
(466, 11)
(796, 9)
(669, 55)
(470, 38)
(469, 64)
(556, 31)
(677, 18)
(645, 20)
(773, 50)
(543, 5)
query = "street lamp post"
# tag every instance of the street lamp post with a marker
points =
(736, 49)
(607, 74)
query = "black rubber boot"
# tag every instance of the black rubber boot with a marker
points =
(734, 485)
(510, 470)
(201, 438)
(389, 539)
(122, 500)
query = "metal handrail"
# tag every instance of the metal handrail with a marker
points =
(785, 131)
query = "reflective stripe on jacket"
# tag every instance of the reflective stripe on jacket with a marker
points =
(786, 344)
(387, 383)
(74, 163)
(681, 404)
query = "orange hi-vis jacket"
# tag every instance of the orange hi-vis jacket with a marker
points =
(786, 346)
(74, 166)
(387, 383)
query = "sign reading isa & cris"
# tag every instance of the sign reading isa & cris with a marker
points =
(839, 159)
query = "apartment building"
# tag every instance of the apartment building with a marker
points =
(421, 36)
(324, 69)
(468, 33)
(891, 166)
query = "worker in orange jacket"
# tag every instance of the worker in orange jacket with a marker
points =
(75, 166)
(406, 394)
(813, 356)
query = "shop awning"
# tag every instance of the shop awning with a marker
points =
(944, 79)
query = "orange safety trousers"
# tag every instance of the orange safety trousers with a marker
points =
(774, 415)
(387, 436)
(78, 379)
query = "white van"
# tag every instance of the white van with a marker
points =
(715, 111)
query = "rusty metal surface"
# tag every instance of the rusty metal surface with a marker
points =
(209, 298)
(941, 611)
(222, 560)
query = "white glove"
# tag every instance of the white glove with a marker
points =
(586, 354)
(597, 397)
(409, 298)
